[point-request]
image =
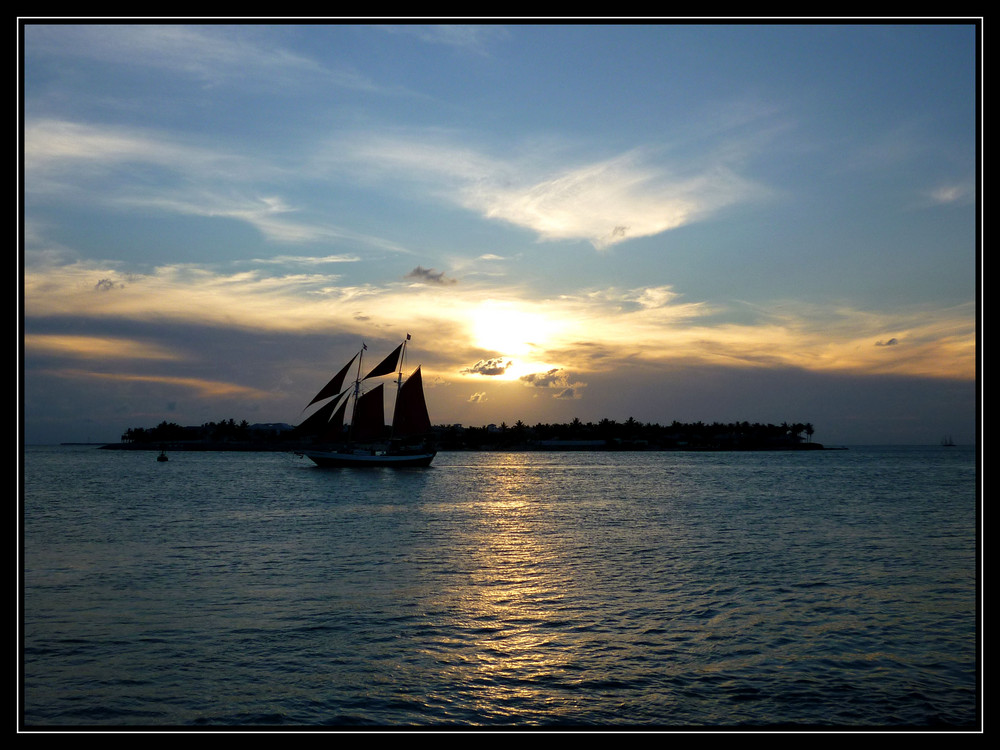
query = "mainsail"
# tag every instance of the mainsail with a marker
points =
(410, 417)
(369, 416)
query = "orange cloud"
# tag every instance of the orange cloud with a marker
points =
(202, 387)
(459, 325)
(94, 347)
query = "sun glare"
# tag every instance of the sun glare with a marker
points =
(502, 328)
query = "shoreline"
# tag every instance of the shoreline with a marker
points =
(551, 447)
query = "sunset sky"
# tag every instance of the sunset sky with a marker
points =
(667, 221)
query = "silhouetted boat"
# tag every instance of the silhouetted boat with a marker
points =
(162, 456)
(947, 442)
(367, 441)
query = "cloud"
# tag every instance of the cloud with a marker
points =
(554, 378)
(476, 398)
(471, 38)
(890, 342)
(644, 327)
(308, 259)
(605, 202)
(567, 394)
(430, 276)
(611, 201)
(106, 285)
(210, 55)
(952, 194)
(201, 386)
(489, 367)
(65, 145)
(544, 379)
(94, 163)
(104, 348)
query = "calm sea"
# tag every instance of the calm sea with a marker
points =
(833, 589)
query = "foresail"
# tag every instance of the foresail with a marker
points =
(335, 427)
(318, 422)
(410, 416)
(387, 365)
(333, 387)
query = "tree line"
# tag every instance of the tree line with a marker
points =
(630, 434)
(169, 432)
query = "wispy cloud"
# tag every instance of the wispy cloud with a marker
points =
(63, 146)
(200, 386)
(604, 202)
(612, 201)
(311, 260)
(211, 55)
(952, 193)
(471, 38)
(104, 348)
(128, 169)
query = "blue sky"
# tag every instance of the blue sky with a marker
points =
(662, 221)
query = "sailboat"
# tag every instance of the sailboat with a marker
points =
(367, 441)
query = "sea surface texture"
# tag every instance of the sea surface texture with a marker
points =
(832, 589)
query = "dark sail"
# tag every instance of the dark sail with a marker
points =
(387, 365)
(410, 416)
(335, 427)
(369, 416)
(317, 423)
(333, 387)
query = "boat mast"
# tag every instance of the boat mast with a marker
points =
(357, 392)
(399, 385)
(402, 356)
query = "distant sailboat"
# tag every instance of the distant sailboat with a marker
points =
(947, 442)
(367, 441)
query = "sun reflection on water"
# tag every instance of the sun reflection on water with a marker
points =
(514, 600)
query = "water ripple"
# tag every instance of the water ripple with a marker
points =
(570, 590)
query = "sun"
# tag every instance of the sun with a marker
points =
(509, 330)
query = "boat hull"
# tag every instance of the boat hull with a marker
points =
(338, 459)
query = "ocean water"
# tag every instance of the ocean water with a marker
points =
(833, 589)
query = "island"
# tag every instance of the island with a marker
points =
(605, 435)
